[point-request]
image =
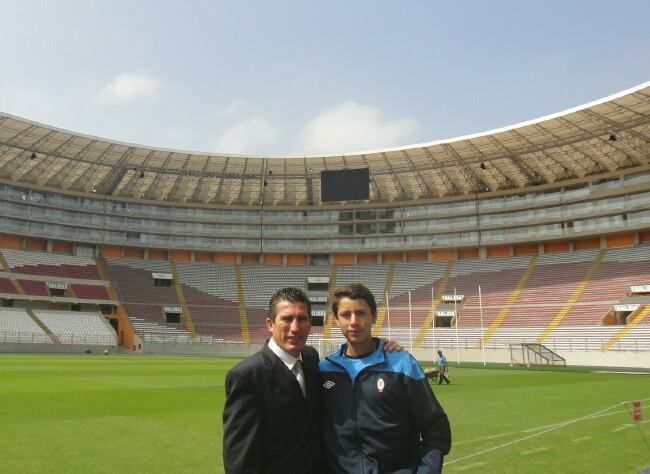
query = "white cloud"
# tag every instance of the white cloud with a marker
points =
(230, 110)
(128, 86)
(252, 136)
(354, 127)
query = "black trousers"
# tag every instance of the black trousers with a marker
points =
(442, 377)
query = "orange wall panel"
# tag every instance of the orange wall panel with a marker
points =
(157, 254)
(644, 237)
(391, 257)
(62, 247)
(443, 255)
(561, 246)
(498, 252)
(467, 253)
(110, 251)
(526, 249)
(204, 257)
(10, 241)
(417, 256)
(227, 258)
(36, 244)
(250, 258)
(181, 256)
(297, 259)
(272, 259)
(344, 258)
(620, 240)
(134, 252)
(585, 244)
(367, 258)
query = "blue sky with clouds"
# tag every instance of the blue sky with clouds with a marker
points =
(306, 77)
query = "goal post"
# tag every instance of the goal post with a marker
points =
(327, 346)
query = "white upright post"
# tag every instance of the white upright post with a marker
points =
(410, 324)
(457, 319)
(480, 305)
(433, 322)
(388, 315)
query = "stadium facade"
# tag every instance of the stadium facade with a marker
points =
(574, 181)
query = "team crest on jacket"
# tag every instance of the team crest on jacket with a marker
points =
(380, 385)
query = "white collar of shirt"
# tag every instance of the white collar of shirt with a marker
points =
(285, 357)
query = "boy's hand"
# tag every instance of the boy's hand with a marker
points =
(391, 346)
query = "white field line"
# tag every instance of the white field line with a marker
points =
(471, 466)
(530, 430)
(547, 430)
(622, 427)
(536, 450)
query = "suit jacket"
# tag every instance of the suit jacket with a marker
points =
(268, 425)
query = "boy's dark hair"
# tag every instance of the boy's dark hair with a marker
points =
(290, 295)
(354, 291)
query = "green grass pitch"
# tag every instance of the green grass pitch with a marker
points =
(116, 414)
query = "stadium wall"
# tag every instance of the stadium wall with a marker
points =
(426, 357)
(610, 359)
(22, 348)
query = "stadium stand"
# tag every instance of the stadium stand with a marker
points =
(228, 303)
(90, 292)
(6, 286)
(554, 240)
(17, 326)
(33, 287)
(77, 328)
(48, 264)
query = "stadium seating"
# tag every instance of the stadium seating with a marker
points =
(71, 327)
(49, 264)
(34, 287)
(89, 292)
(562, 297)
(17, 326)
(6, 286)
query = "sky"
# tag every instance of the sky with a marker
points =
(303, 78)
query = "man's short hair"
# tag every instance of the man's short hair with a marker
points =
(354, 291)
(290, 295)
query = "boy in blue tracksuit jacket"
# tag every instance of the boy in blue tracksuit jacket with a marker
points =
(380, 413)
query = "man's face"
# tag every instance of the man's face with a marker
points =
(291, 327)
(355, 320)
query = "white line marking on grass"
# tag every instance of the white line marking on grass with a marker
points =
(584, 438)
(485, 438)
(619, 372)
(562, 425)
(535, 430)
(536, 450)
(538, 428)
(471, 466)
(621, 428)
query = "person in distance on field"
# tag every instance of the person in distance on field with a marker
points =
(442, 367)
(380, 413)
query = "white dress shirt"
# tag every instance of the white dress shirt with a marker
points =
(294, 364)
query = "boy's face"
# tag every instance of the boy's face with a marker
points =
(355, 320)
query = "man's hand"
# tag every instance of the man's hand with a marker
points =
(391, 346)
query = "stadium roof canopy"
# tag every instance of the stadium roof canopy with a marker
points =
(597, 138)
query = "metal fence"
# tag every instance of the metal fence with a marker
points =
(13, 337)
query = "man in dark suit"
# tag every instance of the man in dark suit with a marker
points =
(270, 424)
